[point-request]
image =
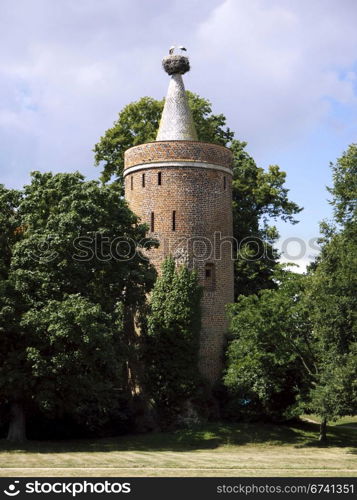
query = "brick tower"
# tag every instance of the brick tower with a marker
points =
(181, 188)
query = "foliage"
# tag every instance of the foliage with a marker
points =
(77, 237)
(11, 303)
(10, 227)
(344, 190)
(63, 306)
(306, 327)
(271, 355)
(259, 196)
(333, 304)
(137, 123)
(172, 341)
(75, 359)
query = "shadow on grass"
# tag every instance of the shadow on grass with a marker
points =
(205, 437)
(352, 426)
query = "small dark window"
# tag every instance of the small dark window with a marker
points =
(224, 182)
(159, 178)
(174, 220)
(210, 278)
(143, 180)
(152, 222)
(131, 182)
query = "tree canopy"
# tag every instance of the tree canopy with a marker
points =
(271, 359)
(333, 301)
(344, 189)
(294, 348)
(65, 289)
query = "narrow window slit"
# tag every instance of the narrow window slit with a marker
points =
(159, 178)
(174, 220)
(152, 224)
(131, 183)
(210, 276)
(143, 180)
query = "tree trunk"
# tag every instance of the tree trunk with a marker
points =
(17, 427)
(323, 427)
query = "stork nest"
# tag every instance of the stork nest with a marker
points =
(176, 64)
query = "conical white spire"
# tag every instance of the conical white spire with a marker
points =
(176, 121)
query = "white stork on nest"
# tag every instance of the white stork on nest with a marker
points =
(173, 47)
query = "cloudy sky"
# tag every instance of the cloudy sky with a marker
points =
(282, 71)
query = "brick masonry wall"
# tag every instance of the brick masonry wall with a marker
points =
(178, 150)
(202, 201)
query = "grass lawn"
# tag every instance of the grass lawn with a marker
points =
(210, 450)
(343, 421)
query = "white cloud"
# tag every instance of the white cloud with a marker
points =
(298, 250)
(276, 67)
(299, 266)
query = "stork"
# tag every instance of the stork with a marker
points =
(173, 47)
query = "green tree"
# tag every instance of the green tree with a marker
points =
(332, 298)
(344, 189)
(271, 359)
(137, 123)
(75, 361)
(333, 303)
(11, 304)
(10, 227)
(64, 307)
(259, 196)
(172, 341)
(80, 237)
(299, 340)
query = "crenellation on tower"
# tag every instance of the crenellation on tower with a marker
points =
(189, 210)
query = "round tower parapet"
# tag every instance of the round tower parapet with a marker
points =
(164, 152)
